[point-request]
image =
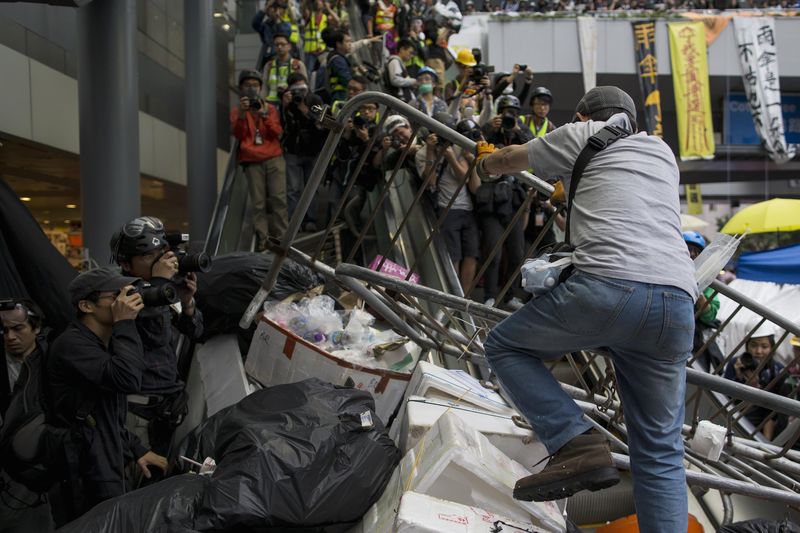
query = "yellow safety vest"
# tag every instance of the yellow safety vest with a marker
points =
(294, 36)
(541, 132)
(312, 35)
(277, 75)
(384, 18)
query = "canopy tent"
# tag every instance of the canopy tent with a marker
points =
(780, 265)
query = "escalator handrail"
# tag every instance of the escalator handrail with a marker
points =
(220, 213)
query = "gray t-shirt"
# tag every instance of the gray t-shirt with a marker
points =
(447, 182)
(626, 215)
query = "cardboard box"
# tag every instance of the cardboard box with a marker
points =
(277, 356)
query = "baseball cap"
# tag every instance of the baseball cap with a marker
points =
(605, 97)
(97, 280)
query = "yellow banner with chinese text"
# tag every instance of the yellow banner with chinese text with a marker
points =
(687, 47)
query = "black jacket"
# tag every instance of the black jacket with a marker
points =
(159, 341)
(85, 375)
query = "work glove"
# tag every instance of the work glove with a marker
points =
(482, 150)
(559, 196)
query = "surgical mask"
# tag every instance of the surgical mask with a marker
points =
(468, 112)
(426, 88)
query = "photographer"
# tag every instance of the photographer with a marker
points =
(496, 203)
(140, 247)
(510, 83)
(267, 22)
(302, 142)
(465, 61)
(506, 128)
(257, 127)
(355, 139)
(90, 368)
(315, 20)
(450, 170)
(440, 22)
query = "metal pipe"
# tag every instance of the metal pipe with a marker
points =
(727, 508)
(710, 481)
(420, 291)
(740, 391)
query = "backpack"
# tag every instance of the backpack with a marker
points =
(403, 93)
(34, 452)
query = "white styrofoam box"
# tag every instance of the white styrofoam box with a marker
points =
(517, 443)
(420, 513)
(277, 356)
(431, 381)
(708, 440)
(453, 461)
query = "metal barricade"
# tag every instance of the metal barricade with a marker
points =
(441, 315)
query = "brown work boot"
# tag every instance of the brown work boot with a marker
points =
(584, 463)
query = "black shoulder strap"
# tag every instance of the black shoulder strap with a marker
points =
(596, 143)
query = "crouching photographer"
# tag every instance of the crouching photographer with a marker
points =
(142, 248)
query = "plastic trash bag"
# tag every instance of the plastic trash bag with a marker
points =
(224, 292)
(761, 525)
(307, 454)
(167, 506)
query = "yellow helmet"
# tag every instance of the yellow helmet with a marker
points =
(466, 58)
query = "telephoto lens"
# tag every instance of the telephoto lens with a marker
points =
(158, 296)
(200, 262)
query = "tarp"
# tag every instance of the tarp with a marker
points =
(31, 267)
(781, 265)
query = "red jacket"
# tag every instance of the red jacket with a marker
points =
(244, 129)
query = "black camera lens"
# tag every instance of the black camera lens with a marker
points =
(158, 296)
(748, 362)
(508, 122)
(359, 121)
(474, 135)
(194, 262)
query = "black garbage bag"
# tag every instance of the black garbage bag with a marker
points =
(225, 291)
(167, 506)
(761, 525)
(308, 456)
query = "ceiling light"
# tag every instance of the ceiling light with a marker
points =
(45, 222)
(226, 26)
(67, 221)
(71, 206)
(218, 15)
(25, 198)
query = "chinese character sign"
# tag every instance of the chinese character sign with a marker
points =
(644, 42)
(687, 47)
(755, 44)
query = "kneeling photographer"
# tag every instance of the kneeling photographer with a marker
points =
(142, 248)
(302, 141)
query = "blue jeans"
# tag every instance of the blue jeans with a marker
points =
(298, 170)
(648, 330)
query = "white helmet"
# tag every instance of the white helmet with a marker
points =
(395, 121)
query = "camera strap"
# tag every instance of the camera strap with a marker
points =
(596, 143)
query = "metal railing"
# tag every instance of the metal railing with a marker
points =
(447, 321)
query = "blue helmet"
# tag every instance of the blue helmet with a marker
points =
(693, 237)
(428, 70)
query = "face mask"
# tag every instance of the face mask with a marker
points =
(469, 111)
(426, 88)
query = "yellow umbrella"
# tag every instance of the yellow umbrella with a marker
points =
(778, 214)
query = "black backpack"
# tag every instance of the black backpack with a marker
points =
(33, 451)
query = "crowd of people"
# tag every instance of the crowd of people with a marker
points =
(89, 414)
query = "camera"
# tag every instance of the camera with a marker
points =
(187, 262)
(440, 141)
(298, 95)
(253, 96)
(359, 121)
(473, 135)
(748, 361)
(523, 68)
(508, 122)
(156, 296)
(8, 305)
(396, 143)
(480, 71)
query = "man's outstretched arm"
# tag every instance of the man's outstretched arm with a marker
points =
(508, 160)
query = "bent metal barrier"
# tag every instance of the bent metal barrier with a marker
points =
(440, 316)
